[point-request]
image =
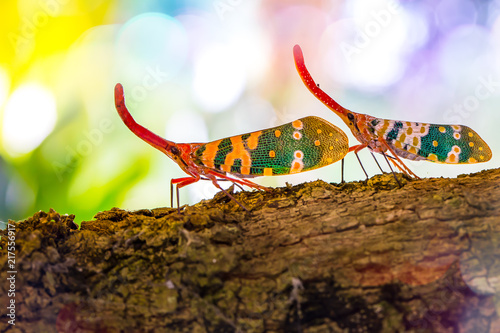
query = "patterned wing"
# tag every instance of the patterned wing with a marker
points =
(301, 145)
(438, 143)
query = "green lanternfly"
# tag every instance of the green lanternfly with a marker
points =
(411, 140)
(304, 144)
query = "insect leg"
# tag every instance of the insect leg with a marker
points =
(377, 162)
(225, 180)
(251, 184)
(394, 161)
(214, 181)
(243, 182)
(181, 182)
(239, 186)
(406, 169)
(342, 172)
(177, 192)
(362, 167)
(172, 194)
(390, 167)
(356, 149)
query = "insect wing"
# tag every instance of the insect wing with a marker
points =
(438, 143)
(301, 145)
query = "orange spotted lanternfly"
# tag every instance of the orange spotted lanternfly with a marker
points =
(304, 144)
(453, 144)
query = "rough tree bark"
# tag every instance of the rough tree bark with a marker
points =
(317, 257)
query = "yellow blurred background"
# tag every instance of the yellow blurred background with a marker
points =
(196, 71)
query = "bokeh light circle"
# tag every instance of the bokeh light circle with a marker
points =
(219, 78)
(151, 42)
(29, 117)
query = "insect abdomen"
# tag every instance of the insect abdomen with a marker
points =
(302, 145)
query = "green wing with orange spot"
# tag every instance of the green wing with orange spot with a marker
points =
(438, 143)
(304, 144)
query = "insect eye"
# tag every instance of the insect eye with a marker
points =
(350, 116)
(174, 150)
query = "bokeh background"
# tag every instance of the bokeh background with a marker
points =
(196, 71)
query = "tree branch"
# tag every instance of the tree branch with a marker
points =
(358, 257)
